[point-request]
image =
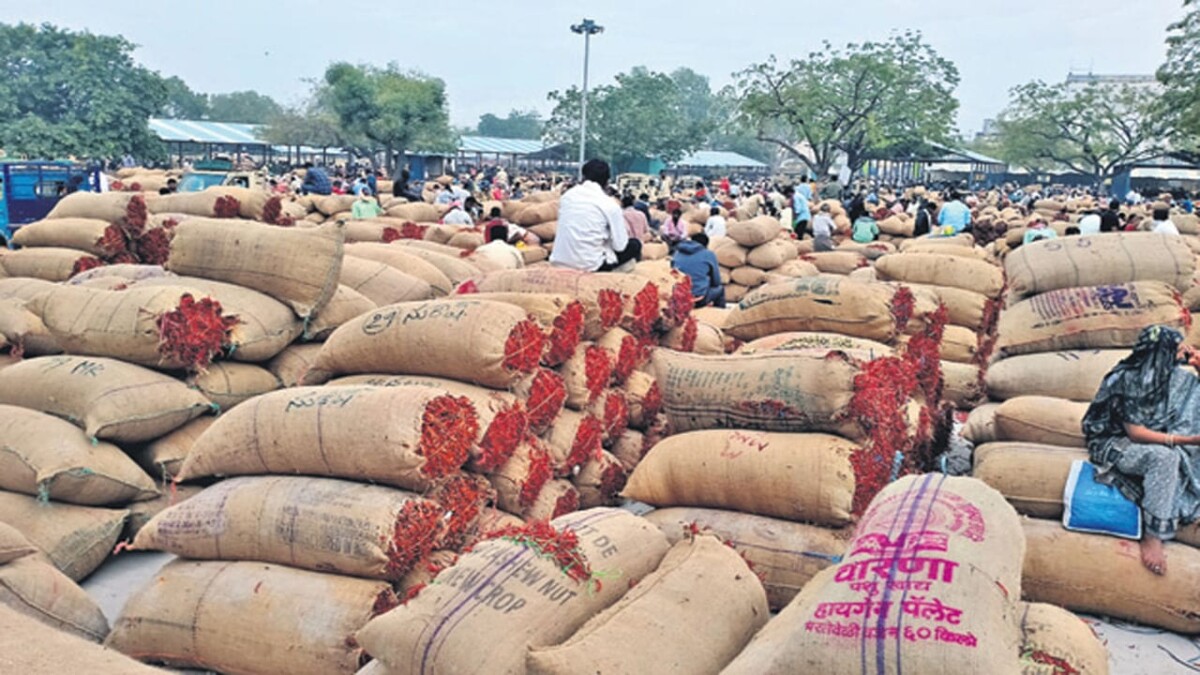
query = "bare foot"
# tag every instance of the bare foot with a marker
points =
(1153, 555)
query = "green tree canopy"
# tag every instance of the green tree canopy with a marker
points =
(518, 124)
(643, 115)
(1181, 76)
(393, 109)
(65, 93)
(245, 107)
(183, 103)
(1091, 129)
(865, 100)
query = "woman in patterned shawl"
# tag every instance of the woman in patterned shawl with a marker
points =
(1141, 432)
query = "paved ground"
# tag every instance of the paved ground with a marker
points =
(1133, 650)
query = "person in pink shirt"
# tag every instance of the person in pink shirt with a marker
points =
(674, 228)
(635, 220)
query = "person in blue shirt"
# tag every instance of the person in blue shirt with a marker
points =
(800, 211)
(1187, 205)
(955, 215)
(805, 189)
(316, 181)
(693, 258)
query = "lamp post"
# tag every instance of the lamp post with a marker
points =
(587, 29)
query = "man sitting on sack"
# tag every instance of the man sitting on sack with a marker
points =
(592, 235)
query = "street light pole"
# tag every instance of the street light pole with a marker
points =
(587, 29)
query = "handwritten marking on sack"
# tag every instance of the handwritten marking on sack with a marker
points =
(82, 368)
(449, 311)
(333, 399)
(740, 442)
(807, 287)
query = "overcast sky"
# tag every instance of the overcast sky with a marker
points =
(503, 54)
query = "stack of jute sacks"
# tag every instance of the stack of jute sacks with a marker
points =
(931, 583)
(756, 252)
(1076, 305)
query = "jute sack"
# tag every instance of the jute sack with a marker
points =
(402, 436)
(141, 513)
(162, 457)
(317, 524)
(1031, 477)
(729, 253)
(44, 456)
(701, 583)
(13, 544)
(245, 617)
(898, 226)
(980, 426)
(795, 269)
(110, 399)
(935, 269)
(1092, 317)
(754, 232)
(965, 308)
(1054, 641)
(345, 304)
(76, 538)
(802, 477)
(586, 373)
(298, 266)
(600, 480)
(30, 646)
(484, 342)
(125, 272)
(112, 207)
(381, 283)
(1099, 260)
(331, 204)
(511, 594)
(836, 262)
(817, 344)
(219, 201)
(417, 212)
(1041, 419)
(822, 304)
(557, 498)
(1077, 571)
(23, 330)
(644, 397)
(574, 439)
(97, 237)
(771, 255)
(47, 264)
(785, 555)
(452, 266)
(918, 246)
(404, 261)
(265, 325)
(958, 345)
(23, 288)
(228, 384)
(547, 308)
(520, 480)
(1073, 375)
(929, 584)
(293, 367)
(32, 586)
(748, 276)
(537, 213)
(961, 385)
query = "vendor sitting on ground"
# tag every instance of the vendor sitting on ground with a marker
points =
(1038, 229)
(1139, 431)
(457, 216)
(498, 229)
(865, 229)
(591, 235)
(693, 258)
(365, 206)
(823, 228)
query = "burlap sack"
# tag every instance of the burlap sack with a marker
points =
(506, 593)
(785, 555)
(47, 264)
(725, 605)
(935, 269)
(162, 457)
(822, 304)
(557, 498)
(802, 477)
(519, 481)
(817, 344)
(32, 586)
(547, 308)
(962, 385)
(836, 262)
(345, 304)
(125, 272)
(923, 246)
(404, 261)
(24, 330)
(30, 646)
(644, 397)
(1099, 260)
(1092, 317)
(754, 232)
(402, 436)
(298, 266)
(44, 456)
(228, 384)
(1041, 419)
(76, 538)
(97, 237)
(219, 201)
(141, 513)
(484, 342)
(575, 438)
(13, 544)
(586, 373)
(964, 308)
(381, 283)
(796, 269)
(980, 426)
(748, 276)
(110, 399)
(772, 254)
(729, 253)
(929, 585)
(317, 524)
(112, 207)
(1054, 641)
(453, 267)
(293, 367)
(1080, 572)
(246, 617)
(897, 226)
(1073, 375)
(1031, 477)
(600, 480)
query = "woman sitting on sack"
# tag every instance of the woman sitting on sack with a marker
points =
(1139, 432)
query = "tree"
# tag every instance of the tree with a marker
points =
(1091, 129)
(66, 93)
(183, 103)
(1180, 76)
(245, 107)
(518, 124)
(643, 115)
(864, 100)
(394, 109)
(732, 133)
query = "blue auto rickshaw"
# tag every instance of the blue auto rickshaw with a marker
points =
(30, 189)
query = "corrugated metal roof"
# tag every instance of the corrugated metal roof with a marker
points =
(196, 131)
(719, 158)
(504, 146)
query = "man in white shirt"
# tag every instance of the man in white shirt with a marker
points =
(457, 216)
(1090, 223)
(715, 227)
(591, 235)
(1162, 222)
